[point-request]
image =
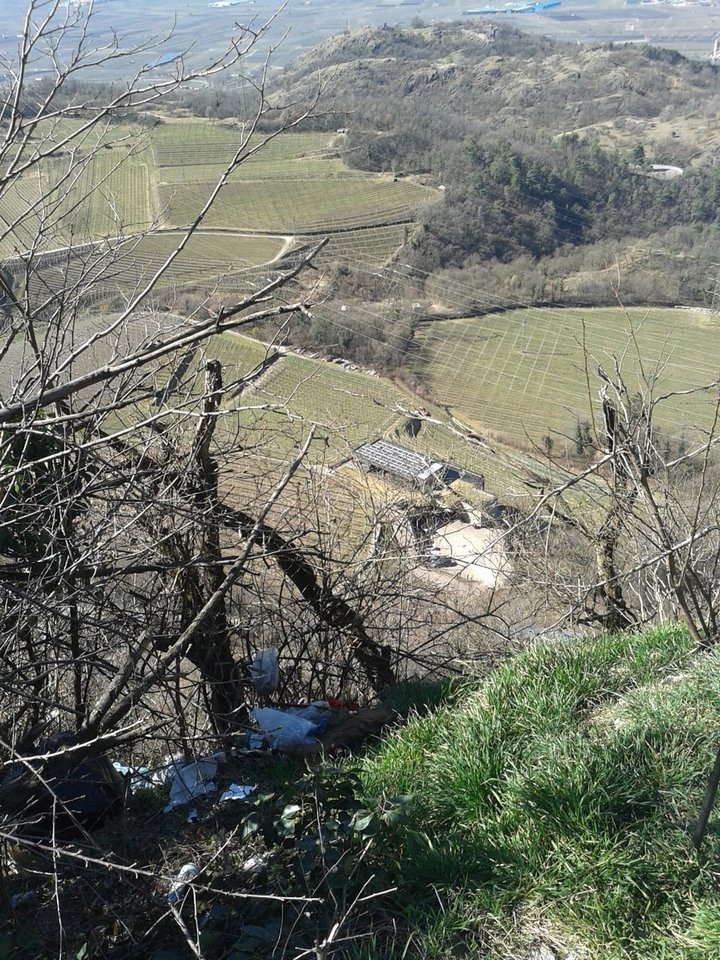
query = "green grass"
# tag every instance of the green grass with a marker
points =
(521, 373)
(206, 255)
(557, 796)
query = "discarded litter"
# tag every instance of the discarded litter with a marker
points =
(330, 724)
(317, 713)
(145, 778)
(264, 671)
(255, 864)
(186, 874)
(192, 780)
(70, 785)
(284, 730)
(140, 778)
(236, 791)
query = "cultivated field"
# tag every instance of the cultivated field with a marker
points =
(20, 215)
(345, 408)
(523, 374)
(295, 205)
(296, 183)
(133, 179)
(108, 273)
(189, 149)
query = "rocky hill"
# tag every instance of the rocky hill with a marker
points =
(545, 151)
(492, 78)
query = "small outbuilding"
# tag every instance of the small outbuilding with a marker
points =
(410, 466)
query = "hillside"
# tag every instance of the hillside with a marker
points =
(303, 452)
(543, 811)
(552, 808)
(496, 79)
(544, 152)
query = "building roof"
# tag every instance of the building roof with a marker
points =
(397, 460)
(411, 465)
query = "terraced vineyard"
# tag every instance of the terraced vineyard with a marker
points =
(104, 272)
(295, 184)
(345, 407)
(369, 245)
(295, 206)
(521, 374)
(133, 178)
(197, 151)
(109, 195)
(21, 215)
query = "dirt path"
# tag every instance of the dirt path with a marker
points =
(479, 553)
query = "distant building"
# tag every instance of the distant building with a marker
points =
(412, 467)
(665, 171)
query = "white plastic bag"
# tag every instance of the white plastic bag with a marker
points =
(264, 671)
(283, 730)
(191, 780)
(186, 874)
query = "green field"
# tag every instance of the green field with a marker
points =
(296, 183)
(110, 195)
(295, 206)
(21, 215)
(348, 408)
(522, 374)
(197, 150)
(345, 408)
(370, 245)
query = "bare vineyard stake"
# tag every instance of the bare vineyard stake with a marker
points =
(700, 828)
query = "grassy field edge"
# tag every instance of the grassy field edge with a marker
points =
(552, 803)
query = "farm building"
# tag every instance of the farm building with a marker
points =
(410, 466)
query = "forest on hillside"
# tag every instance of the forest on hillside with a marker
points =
(544, 152)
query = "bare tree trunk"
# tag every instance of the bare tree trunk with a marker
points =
(211, 649)
(617, 615)
(375, 659)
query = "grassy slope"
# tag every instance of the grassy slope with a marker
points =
(553, 799)
(522, 373)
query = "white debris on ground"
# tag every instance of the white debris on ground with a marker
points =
(187, 873)
(191, 780)
(237, 791)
